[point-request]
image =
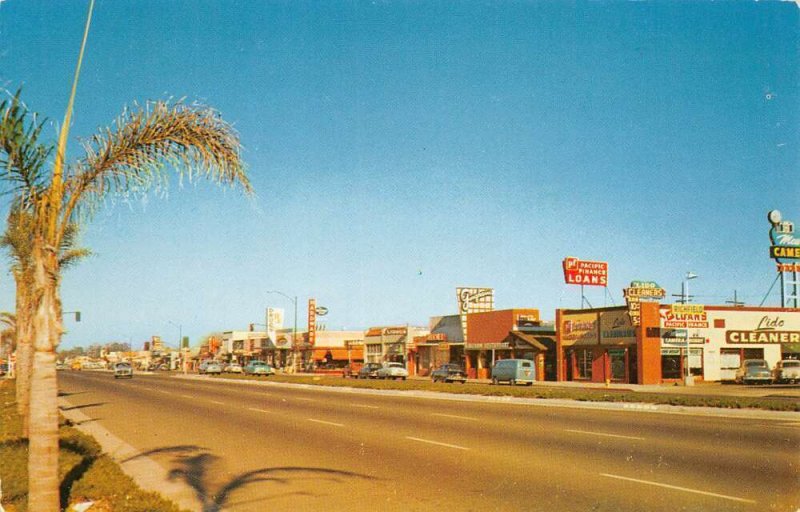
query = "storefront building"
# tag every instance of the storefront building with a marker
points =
(444, 344)
(393, 344)
(333, 350)
(509, 333)
(602, 345)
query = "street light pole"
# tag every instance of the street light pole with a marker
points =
(181, 352)
(688, 380)
(294, 331)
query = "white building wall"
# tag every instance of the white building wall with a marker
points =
(715, 335)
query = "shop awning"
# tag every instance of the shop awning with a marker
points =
(337, 354)
(520, 340)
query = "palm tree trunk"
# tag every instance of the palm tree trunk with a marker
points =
(43, 481)
(24, 354)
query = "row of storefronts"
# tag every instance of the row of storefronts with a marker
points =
(595, 345)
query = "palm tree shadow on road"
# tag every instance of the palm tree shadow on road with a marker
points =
(192, 463)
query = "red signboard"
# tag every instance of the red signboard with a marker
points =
(589, 273)
(312, 321)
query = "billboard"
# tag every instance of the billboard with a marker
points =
(785, 248)
(473, 300)
(589, 273)
(579, 329)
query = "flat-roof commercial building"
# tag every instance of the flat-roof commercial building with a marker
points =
(604, 345)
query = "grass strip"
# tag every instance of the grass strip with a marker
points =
(541, 391)
(86, 473)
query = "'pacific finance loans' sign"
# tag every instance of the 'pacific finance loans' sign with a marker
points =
(638, 291)
(590, 273)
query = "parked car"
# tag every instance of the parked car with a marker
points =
(209, 367)
(514, 371)
(351, 370)
(787, 370)
(233, 368)
(392, 371)
(258, 368)
(122, 370)
(753, 371)
(369, 371)
(449, 372)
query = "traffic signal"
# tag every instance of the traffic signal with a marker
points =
(252, 327)
(77, 316)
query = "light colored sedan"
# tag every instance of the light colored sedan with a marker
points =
(392, 371)
(787, 370)
(233, 368)
(258, 368)
(122, 370)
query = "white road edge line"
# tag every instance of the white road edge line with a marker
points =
(216, 402)
(675, 487)
(603, 434)
(365, 406)
(437, 443)
(257, 410)
(454, 416)
(326, 422)
(187, 396)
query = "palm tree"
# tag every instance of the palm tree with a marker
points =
(139, 151)
(17, 240)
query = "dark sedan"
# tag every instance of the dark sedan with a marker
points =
(449, 373)
(369, 371)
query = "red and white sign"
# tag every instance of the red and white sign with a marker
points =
(589, 273)
(312, 321)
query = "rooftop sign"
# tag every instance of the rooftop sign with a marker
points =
(589, 273)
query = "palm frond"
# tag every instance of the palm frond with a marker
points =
(71, 257)
(22, 154)
(145, 143)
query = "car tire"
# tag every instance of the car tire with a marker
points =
(512, 382)
(494, 381)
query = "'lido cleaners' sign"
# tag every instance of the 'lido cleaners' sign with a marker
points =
(638, 291)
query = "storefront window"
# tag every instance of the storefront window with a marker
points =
(754, 353)
(617, 357)
(583, 363)
(696, 361)
(670, 363)
(730, 358)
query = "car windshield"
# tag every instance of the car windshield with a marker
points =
(791, 364)
(395, 365)
(755, 363)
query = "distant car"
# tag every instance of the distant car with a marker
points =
(122, 370)
(449, 372)
(62, 366)
(258, 368)
(351, 370)
(209, 367)
(753, 371)
(233, 368)
(787, 370)
(369, 371)
(392, 371)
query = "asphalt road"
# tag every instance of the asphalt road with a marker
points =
(257, 448)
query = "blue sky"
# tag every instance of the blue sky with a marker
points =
(401, 149)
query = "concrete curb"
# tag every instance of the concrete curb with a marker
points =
(715, 412)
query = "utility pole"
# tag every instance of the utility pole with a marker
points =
(736, 303)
